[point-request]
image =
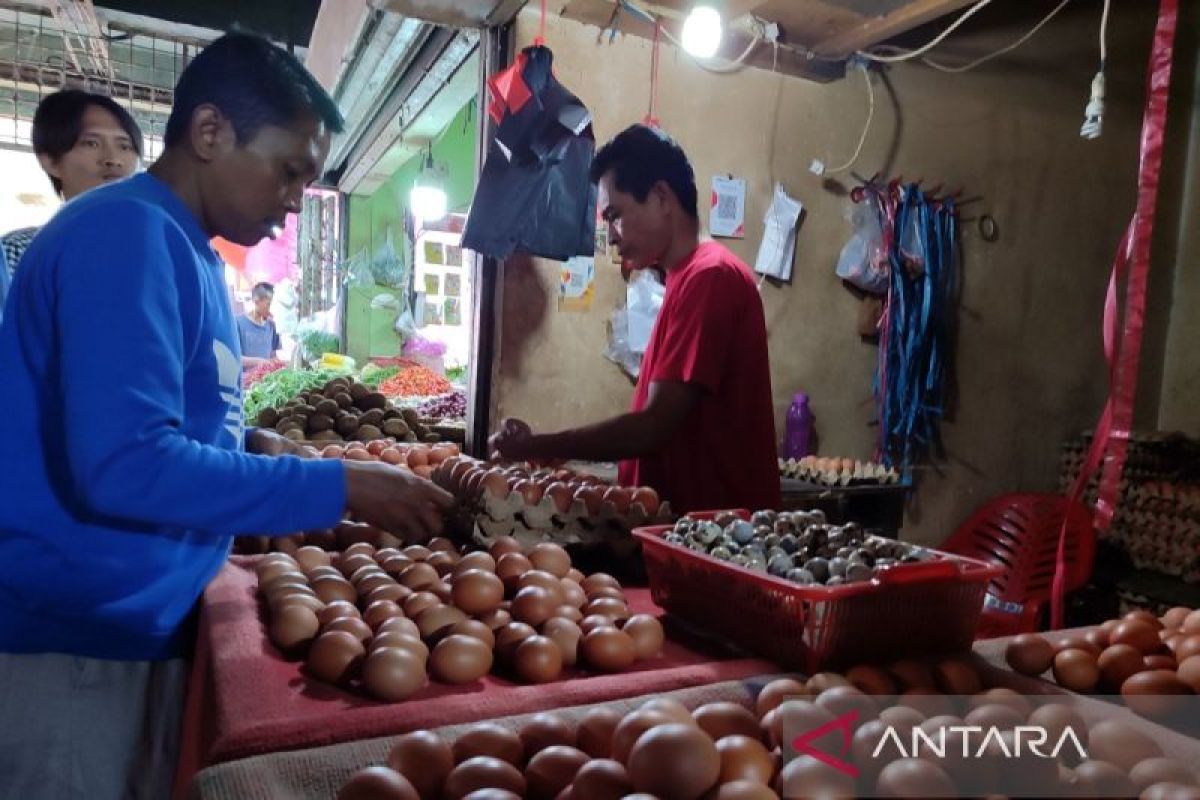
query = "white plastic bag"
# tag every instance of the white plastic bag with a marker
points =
(630, 327)
(862, 262)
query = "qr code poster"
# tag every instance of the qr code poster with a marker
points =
(727, 216)
(575, 287)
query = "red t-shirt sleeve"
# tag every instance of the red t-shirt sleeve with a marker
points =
(696, 347)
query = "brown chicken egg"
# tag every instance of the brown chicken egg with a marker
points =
(293, 627)
(1117, 663)
(1119, 743)
(543, 580)
(595, 731)
(425, 759)
(545, 730)
(533, 605)
(473, 627)
(377, 783)
(510, 567)
(602, 779)
(435, 621)
(911, 674)
(379, 611)
(674, 760)
(483, 772)
(335, 656)
(552, 770)
(1029, 654)
(647, 634)
(418, 602)
(608, 650)
(1076, 669)
(745, 758)
(538, 659)
(1138, 633)
(808, 777)
(352, 625)
(477, 591)
(566, 635)
(329, 589)
(598, 580)
(490, 739)
(419, 576)
(495, 619)
(567, 612)
(509, 637)
(398, 625)
(723, 719)
(393, 674)
(1189, 672)
(632, 726)
(647, 498)
(914, 777)
(1154, 693)
(871, 680)
(593, 621)
(775, 692)
(460, 659)
(550, 558)
(957, 677)
(403, 641)
(617, 610)
(1174, 618)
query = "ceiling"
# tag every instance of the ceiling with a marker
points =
(289, 22)
(815, 35)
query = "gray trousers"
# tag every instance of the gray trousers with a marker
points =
(73, 727)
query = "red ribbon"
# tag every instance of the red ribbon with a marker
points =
(651, 115)
(1110, 442)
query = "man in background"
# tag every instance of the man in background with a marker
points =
(256, 330)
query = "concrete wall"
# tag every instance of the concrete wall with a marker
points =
(1029, 363)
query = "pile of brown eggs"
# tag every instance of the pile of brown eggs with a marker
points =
(565, 490)
(1148, 659)
(725, 751)
(387, 619)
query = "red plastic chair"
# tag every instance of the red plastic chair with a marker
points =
(1020, 532)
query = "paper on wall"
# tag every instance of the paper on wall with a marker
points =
(727, 212)
(778, 247)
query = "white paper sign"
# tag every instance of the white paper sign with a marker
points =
(778, 248)
(727, 214)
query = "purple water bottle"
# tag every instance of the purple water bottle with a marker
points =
(798, 429)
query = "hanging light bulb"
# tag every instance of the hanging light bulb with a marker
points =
(702, 32)
(427, 201)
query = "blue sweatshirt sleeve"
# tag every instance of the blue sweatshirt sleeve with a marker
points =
(128, 298)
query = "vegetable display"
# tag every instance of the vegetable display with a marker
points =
(342, 409)
(415, 380)
(281, 386)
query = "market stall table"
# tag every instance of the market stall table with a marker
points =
(244, 699)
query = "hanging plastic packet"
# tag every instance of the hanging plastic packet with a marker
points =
(630, 327)
(862, 261)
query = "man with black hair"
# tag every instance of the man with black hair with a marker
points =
(125, 466)
(701, 429)
(82, 140)
(256, 330)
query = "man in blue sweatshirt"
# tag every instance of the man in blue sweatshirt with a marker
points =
(126, 470)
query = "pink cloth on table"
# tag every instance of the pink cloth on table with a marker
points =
(245, 699)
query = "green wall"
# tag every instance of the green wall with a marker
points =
(372, 216)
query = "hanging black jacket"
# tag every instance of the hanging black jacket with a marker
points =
(535, 194)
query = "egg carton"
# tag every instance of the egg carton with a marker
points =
(838, 472)
(511, 516)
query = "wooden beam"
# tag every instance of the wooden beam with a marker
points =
(874, 30)
(732, 9)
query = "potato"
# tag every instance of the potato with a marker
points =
(431, 438)
(343, 400)
(392, 413)
(289, 424)
(372, 400)
(268, 418)
(326, 436)
(358, 391)
(395, 427)
(346, 424)
(295, 434)
(411, 417)
(411, 438)
(320, 422)
(372, 417)
(367, 433)
(329, 408)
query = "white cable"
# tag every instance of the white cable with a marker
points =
(971, 65)
(1093, 114)
(866, 128)
(936, 40)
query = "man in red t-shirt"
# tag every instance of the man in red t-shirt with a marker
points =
(701, 430)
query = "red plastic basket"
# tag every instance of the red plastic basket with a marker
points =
(908, 610)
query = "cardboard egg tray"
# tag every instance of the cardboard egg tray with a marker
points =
(492, 517)
(854, 474)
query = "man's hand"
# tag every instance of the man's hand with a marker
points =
(395, 500)
(511, 441)
(263, 442)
